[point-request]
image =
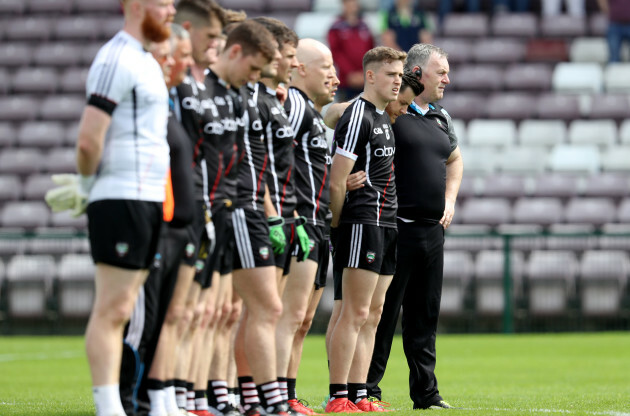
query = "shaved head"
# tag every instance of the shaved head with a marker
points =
(310, 50)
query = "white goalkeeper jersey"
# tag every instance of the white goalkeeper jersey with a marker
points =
(127, 83)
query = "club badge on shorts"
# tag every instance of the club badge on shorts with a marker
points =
(370, 256)
(122, 249)
(264, 252)
(190, 250)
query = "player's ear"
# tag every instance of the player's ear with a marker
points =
(235, 51)
(369, 76)
(302, 69)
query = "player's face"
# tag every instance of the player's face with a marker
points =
(435, 78)
(182, 57)
(156, 23)
(334, 85)
(399, 107)
(287, 63)
(246, 68)
(320, 75)
(162, 53)
(387, 80)
(271, 69)
(205, 41)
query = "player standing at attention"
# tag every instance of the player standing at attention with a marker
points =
(364, 221)
(312, 78)
(125, 179)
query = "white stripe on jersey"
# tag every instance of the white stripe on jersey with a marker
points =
(113, 54)
(354, 127)
(298, 108)
(136, 322)
(368, 157)
(243, 243)
(272, 166)
(355, 245)
(248, 152)
(311, 177)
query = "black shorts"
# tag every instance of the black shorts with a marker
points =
(367, 247)
(203, 274)
(124, 233)
(318, 244)
(192, 247)
(283, 261)
(251, 234)
(222, 257)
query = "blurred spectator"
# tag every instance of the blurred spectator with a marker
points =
(349, 38)
(511, 5)
(618, 12)
(406, 24)
(574, 7)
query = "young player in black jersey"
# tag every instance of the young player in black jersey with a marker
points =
(278, 135)
(312, 78)
(204, 20)
(429, 170)
(366, 221)
(409, 89)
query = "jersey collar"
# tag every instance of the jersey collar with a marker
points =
(416, 108)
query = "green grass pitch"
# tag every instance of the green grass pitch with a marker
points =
(564, 374)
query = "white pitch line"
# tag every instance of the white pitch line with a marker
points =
(563, 411)
(5, 358)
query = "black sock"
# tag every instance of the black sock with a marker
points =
(291, 383)
(269, 394)
(217, 389)
(212, 401)
(249, 394)
(338, 391)
(153, 384)
(357, 392)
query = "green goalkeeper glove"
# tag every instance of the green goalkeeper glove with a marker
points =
(276, 234)
(71, 194)
(304, 240)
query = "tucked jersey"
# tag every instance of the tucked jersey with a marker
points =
(312, 157)
(217, 149)
(253, 157)
(424, 143)
(278, 136)
(127, 83)
(365, 135)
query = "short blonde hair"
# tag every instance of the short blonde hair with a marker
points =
(381, 55)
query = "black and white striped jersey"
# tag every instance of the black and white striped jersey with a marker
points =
(279, 141)
(365, 135)
(253, 158)
(127, 83)
(218, 147)
(312, 157)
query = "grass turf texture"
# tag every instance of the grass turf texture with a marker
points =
(574, 374)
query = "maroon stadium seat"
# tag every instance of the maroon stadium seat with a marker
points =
(18, 108)
(59, 54)
(598, 24)
(29, 28)
(8, 7)
(73, 80)
(489, 211)
(551, 281)
(54, 7)
(8, 134)
(460, 50)
(62, 107)
(15, 54)
(463, 105)
(547, 50)
(556, 185)
(499, 50)
(465, 25)
(615, 106)
(515, 24)
(35, 80)
(515, 105)
(29, 214)
(543, 211)
(524, 76)
(603, 278)
(36, 186)
(596, 211)
(61, 160)
(563, 26)
(78, 28)
(558, 106)
(479, 77)
(41, 134)
(612, 185)
(504, 186)
(21, 161)
(10, 187)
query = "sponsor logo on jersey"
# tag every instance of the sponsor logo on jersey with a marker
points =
(386, 128)
(190, 250)
(370, 256)
(122, 249)
(257, 125)
(284, 132)
(378, 130)
(276, 111)
(264, 252)
(218, 100)
(219, 127)
(328, 159)
(384, 151)
(319, 142)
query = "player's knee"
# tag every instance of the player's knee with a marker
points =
(375, 316)
(305, 327)
(174, 315)
(359, 316)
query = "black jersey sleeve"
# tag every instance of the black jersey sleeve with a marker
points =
(353, 131)
(181, 173)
